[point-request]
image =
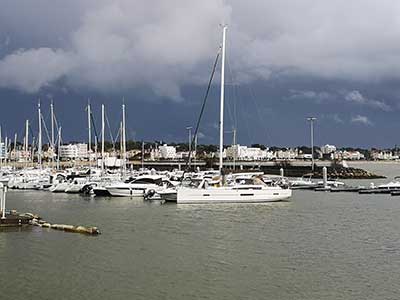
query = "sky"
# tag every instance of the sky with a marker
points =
(286, 60)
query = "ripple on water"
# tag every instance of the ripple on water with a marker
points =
(316, 246)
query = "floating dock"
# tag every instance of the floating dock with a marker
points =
(12, 218)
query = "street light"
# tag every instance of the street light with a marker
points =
(189, 129)
(311, 120)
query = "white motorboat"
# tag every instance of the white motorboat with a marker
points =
(136, 188)
(302, 183)
(59, 187)
(168, 194)
(76, 185)
(393, 185)
(331, 183)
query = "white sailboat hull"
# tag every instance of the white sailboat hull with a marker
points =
(232, 195)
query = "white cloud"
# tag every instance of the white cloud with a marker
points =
(361, 120)
(318, 97)
(124, 44)
(165, 45)
(336, 118)
(29, 70)
(356, 97)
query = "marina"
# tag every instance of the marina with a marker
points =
(321, 239)
(199, 150)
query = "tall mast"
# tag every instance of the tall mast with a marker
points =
(40, 137)
(89, 137)
(121, 146)
(142, 155)
(123, 140)
(15, 146)
(6, 150)
(221, 116)
(235, 148)
(52, 132)
(102, 137)
(59, 148)
(26, 141)
(33, 151)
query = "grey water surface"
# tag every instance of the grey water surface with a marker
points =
(315, 246)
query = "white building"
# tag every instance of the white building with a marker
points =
(245, 153)
(327, 149)
(383, 155)
(347, 155)
(167, 152)
(287, 154)
(74, 151)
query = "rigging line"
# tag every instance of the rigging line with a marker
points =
(236, 100)
(45, 128)
(232, 99)
(252, 95)
(61, 140)
(118, 134)
(56, 123)
(203, 107)
(245, 120)
(109, 129)
(94, 128)
(228, 98)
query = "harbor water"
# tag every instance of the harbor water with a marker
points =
(318, 245)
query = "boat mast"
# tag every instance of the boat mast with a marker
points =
(142, 155)
(58, 148)
(235, 148)
(40, 137)
(33, 151)
(221, 117)
(52, 133)
(26, 142)
(102, 138)
(15, 147)
(121, 147)
(123, 140)
(6, 151)
(89, 138)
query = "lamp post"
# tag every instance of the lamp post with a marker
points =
(311, 120)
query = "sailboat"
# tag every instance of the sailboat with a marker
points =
(255, 191)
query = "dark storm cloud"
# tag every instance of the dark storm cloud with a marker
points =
(168, 44)
(286, 60)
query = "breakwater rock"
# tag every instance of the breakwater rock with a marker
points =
(336, 171)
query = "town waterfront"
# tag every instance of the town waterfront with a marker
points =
(315, 246)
